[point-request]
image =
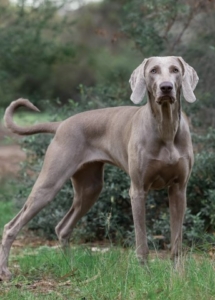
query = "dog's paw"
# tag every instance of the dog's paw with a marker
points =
(5, 274)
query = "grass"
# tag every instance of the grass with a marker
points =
(7, 212)
(115, 274)
(83, 274)
(25, 118)
(7, 209)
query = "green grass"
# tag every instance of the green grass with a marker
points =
(25, 118)
(7, 213)
(7, 208)
(112, 275)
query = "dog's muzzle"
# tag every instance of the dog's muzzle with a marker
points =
(166, 89)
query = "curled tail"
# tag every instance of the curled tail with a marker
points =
(50, 127)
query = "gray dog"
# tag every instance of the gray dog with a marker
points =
(152, 144)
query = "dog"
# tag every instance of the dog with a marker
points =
(151, 143)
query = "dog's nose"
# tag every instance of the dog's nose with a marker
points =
(166, 87)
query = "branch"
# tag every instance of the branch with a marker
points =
(186, 25)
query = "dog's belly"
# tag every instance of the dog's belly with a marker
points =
(160, 174)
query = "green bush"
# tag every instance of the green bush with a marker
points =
(30, 49)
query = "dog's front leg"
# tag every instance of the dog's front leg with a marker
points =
(138, 198)
(177, 205)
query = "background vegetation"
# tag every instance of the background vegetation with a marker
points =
(82, 59)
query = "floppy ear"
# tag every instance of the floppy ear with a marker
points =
(137, 83)
(189, 81)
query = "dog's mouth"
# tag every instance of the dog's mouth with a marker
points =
(165, 99)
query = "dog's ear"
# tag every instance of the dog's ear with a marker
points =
(137, 83)
(189, 81)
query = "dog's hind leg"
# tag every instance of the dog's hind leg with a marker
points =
(57, 168)
(87, 184)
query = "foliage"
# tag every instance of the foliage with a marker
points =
(154, 25)
(180, 28)
(201, 189)
(43, 56)
(48, 50)
(30, 48)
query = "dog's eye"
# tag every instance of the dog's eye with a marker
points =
(175, 70)
(153, 71)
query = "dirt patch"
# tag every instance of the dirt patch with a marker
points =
(30, 239)
(10, 158)
(10, 155)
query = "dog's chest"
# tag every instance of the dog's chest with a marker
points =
(168, 155)
(168, 167)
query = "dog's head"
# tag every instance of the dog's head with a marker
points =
(163, 78)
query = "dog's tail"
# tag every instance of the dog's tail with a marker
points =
(50, 127)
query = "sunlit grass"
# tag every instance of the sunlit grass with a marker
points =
(25, 118)
(114, 274)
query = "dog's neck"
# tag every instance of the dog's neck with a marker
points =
(167, 117)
